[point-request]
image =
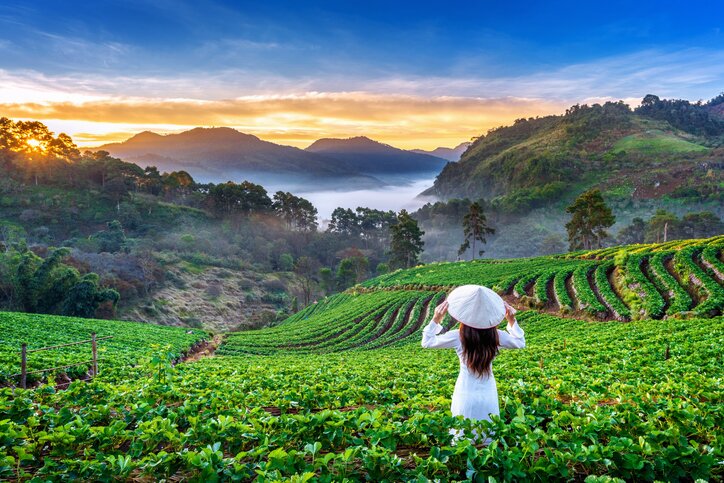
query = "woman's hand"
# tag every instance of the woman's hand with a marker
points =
(509, 313)
(440, 312)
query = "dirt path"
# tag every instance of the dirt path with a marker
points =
(205, 349)
(551, 294)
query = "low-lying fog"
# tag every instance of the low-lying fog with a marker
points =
(390, 197)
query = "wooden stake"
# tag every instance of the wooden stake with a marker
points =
(24, 365)
(94, 370)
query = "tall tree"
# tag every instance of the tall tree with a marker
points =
(352, 270)
(406, 245)
(345, 222)
(475, 227)
(374, 225)
(299, 213)
(307, 268)
(245, 198)
(590, 218)
(661, 227)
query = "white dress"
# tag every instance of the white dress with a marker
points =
(474, 397)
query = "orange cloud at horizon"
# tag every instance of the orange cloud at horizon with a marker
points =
(400, 120)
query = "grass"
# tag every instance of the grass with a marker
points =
(656, 142)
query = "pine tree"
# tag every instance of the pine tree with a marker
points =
(475, 227)
(406, 244)
(591, 217)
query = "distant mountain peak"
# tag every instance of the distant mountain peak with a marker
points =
(197, 134)
(356, 142)
(217, 154)
(370, 156)
(216, 134)
(144, 136)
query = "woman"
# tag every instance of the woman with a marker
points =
(479, 311)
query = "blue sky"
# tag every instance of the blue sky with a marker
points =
(295, 71)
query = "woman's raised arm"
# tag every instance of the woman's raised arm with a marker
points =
(430, 339)
(514, 338)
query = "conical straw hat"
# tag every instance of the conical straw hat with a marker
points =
(476, 306)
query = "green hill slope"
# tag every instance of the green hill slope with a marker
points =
(656, 142)
(606, 145)
(681, 279)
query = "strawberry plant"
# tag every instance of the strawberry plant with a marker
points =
(131, 342)
(342, 390)
(610, 298)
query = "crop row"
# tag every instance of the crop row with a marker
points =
(679, 299)
(560, 289)
(131, 342)
(710, 259)
(645, 300)
(609, 296)
(636, 401)
(367, 320)
(522, 284)
(585, 295)
(701, 280)
(540, 290)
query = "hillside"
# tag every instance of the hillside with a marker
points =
(343, 390)
(609, 145)
(86, 234)
(220, 154)
(679, 279)
(371, 157)
(450, 154)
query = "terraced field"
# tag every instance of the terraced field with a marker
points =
(678, 279)
(342, 391)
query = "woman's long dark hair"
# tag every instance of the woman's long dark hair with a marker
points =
(480, 346)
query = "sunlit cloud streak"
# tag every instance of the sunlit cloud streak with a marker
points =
(404, 110)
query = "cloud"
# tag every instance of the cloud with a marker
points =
(406, 111)
(299, 119)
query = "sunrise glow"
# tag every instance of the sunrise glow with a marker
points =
(34, 143)
(435, 78)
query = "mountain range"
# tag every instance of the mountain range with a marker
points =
(372, 157)
(221, 153)
(451, 154)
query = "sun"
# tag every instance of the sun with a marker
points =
(33, 143)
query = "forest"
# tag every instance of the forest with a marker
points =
(86, 234)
